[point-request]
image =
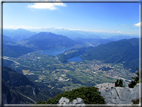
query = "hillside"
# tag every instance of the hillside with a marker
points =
(20, 88)
(8, 40)
(10, 75)
(70, 53)
(15, 50)
(13, 97)
(47, 40)
(124, 51)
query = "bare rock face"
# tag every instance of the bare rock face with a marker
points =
(112, 95)
(63, 101)
(118, 95)
(76, 102)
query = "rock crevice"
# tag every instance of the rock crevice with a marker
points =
(118, 95)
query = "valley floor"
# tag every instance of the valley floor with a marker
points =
(66, 76)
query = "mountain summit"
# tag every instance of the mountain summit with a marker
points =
(46, 40)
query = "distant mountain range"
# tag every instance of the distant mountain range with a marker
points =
(93, 41)
(18, 34)
(119, 37)
(122, 51)
(74, 34)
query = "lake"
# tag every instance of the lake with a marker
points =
(75, 59)
(57, 51)
(53, 52)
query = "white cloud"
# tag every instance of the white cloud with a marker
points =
(51, 6)
(138, 24)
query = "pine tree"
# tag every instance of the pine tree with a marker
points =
(135, 80)
(119, 83)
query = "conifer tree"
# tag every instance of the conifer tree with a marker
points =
(135, 79)
(119, 83)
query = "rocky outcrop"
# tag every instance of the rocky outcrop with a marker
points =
(118, 95)
(76, 102)
(111, 94)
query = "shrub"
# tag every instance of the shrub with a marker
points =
(136, 101)
(119, 83)
(90, 95)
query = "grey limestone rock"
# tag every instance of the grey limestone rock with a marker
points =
(64, 99)
(79, 100)
(76, 102)
(135, 92)
(118, 95)
(112, 95)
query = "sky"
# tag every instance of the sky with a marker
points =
(121, 18)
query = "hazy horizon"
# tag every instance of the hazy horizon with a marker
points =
(90, 17)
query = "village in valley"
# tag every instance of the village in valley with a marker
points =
(49, 70)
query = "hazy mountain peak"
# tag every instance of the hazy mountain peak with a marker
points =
(46, 40)
(18, 34)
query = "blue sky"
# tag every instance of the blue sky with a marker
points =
(121, 18)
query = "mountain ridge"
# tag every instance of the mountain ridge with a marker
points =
(46, 40)
(121, 51)
(18, 34)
